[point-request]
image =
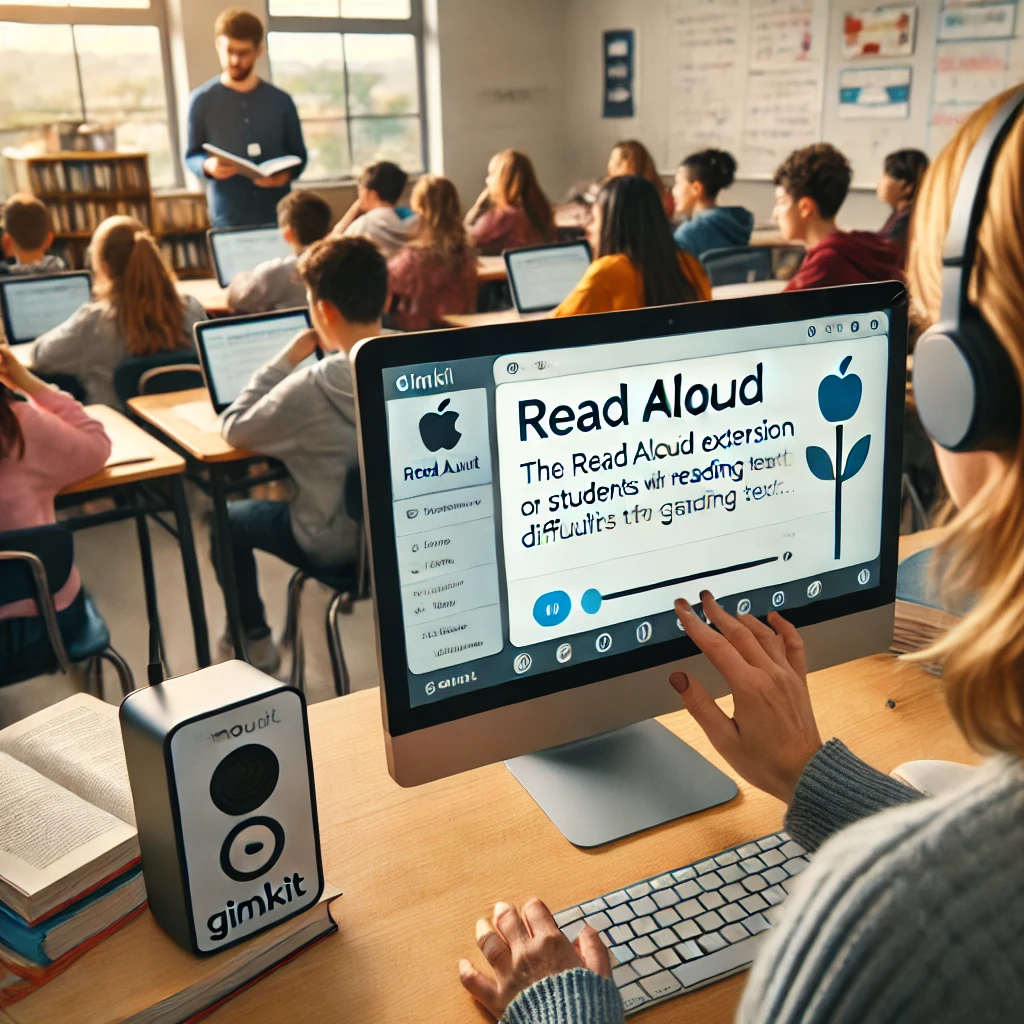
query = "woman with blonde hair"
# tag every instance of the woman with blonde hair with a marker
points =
(136, 311)
(914, 914)
(632, 157)
(512, 211)
(435, 274)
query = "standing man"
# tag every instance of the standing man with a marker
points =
(242, 114)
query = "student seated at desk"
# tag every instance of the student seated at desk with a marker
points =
(307, 420)
(636, 261)
(897, 188)
(137, 312)
(47, 441)
(701, 176)
(304, 218)
(633, 157)
(914, 914)
(435, 274)
(810, 186)
(28, 235)
(512, 211)
(373, 214)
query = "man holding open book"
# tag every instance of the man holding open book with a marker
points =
(244, 137)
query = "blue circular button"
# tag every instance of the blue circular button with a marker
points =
(591, 602)
(552, 609)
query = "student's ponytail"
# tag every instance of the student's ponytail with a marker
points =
(11, 438)
(715, 169)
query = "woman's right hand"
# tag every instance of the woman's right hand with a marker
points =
(772, 733)
(16, 376)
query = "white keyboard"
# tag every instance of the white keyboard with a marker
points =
(684, 929)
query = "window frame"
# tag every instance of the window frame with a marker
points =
(411, 26)
(154, 15)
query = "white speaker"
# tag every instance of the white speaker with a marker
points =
(222, 782)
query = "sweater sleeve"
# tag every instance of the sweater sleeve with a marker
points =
(65, 348)
(835, 790)
(195, 155)
(82, 447)
(264, 416)
(574, 997)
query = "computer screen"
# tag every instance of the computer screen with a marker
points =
(232, 350)
(34, 305)
(238, 249)
(542, 276)
(536, 507)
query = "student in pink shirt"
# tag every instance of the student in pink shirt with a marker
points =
(47, 441)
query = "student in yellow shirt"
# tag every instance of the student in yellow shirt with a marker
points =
(636, 261)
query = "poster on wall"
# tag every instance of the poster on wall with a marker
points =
(977, 21)
(619, 73)
(870, 93)
(783, 113)
(781, 31)
(879, 32)
(966, 75)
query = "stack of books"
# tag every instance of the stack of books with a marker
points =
(71, 879)
(921, 617)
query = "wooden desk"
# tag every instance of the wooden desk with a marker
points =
(747, 288)
(500, 316)
(491, 268)
(419, 866)
(208, 293)
(204, 446)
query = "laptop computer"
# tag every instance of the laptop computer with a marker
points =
(541, 276)
(236, 249)
(32, 305)
(232, 349)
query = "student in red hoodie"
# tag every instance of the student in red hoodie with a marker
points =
(809, 189)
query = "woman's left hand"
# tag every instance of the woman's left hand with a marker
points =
(524, 947)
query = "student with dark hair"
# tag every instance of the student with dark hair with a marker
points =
(512, 210)
(636, 261)
(810, 187)
(307, 420)
(897, 188)
(304, 218)
(706, 225)
(373, 214)
(27, 237)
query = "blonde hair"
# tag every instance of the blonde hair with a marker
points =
(636, 159)
(139, 286)
(516, 185)
(436, 201)
(983, 558)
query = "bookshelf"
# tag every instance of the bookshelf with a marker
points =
(180, 222)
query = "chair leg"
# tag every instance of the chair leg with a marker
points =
(94, 678)
(342, 683)
(293, 606)
(124, 673)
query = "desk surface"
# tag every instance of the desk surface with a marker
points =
(491, 268)
(209, 294)
(415, 885)
(124, 433)
(747, 288)
(161, 412)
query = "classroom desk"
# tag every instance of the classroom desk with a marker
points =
(208, 292)
(491, 268)
(414, 884)
(745, 289)
(137, 480)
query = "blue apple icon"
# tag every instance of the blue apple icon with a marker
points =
(437, 429)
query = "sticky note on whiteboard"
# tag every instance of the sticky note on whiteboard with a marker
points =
(618, 48)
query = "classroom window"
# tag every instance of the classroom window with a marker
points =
(352, 67)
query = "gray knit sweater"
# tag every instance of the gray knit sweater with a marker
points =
(911, 915)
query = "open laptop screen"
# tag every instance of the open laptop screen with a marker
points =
(542, 276)
(238, 249)
(34, 305)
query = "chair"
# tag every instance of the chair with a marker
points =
(745, 264)
(157, 374)
(350, 585)
(34, 564)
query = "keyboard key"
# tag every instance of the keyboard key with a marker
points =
(666, 898)
(633, 997)
(756, 923)
(772, 857)
(623, 975)
(732, 893)
(622, 953)
(712, 880)
(622, 913)
(669, 916)
(691, 908)
(643, 946)
(733, 912)
(776, 894)
(710, 922)
(706, 968)
(734, 933)
(644, 925)
(792, 849)
(731, 873)
(687, 930)
(683, 874)
(603, 936)
(769, 842)
(774, 875)
(646, 965)
(689, 951)
(784, 836)
(795, 866)
(599, 921)
(752, 904)
(752, 865)
(663, 984)
(755, 883)
(638, 890)
(593, 906)
(572, 931)
(749, 850)
(644, 905)
(564, 917)
(666, 937)
(661, 882)
(669, 957)
(613, 899)
(729, 857)
(687, 890)
(711, 942)
(620, 933)
(705, 866)
(711, 900)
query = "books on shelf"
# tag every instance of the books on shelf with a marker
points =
(186, 254)
(180, 213)
(82, 177)
(86, 215)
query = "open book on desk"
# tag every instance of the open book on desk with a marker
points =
(66, 806)
(266, 169)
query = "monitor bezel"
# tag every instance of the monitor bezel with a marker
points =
(374, 355)
(510, 254)
(212, 233)
(202, 327)
(12, 280)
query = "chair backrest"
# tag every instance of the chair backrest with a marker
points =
(738, 265)
(162, 380)
(129, 372)
(54, 546)
(354, 494)
(786, 260)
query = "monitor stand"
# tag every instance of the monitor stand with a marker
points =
(622, 782)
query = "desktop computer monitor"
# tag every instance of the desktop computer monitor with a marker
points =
(32, 305)
(236, 249)
(541, 276)
(538, 495)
